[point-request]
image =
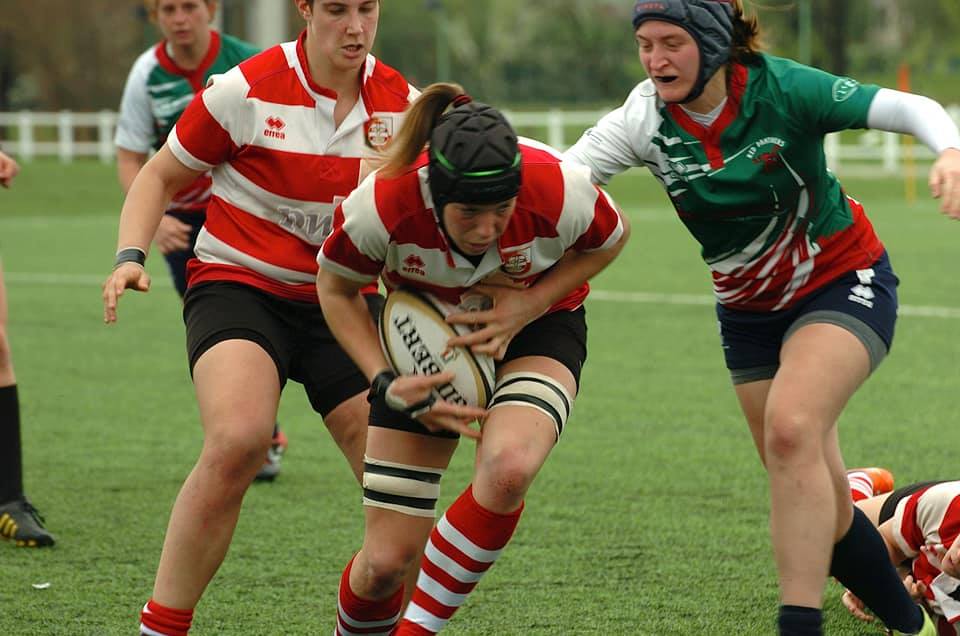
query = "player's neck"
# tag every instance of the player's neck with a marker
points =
(713, 94)
(189, 57)
(344, 82)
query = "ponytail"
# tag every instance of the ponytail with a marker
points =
(419, 122)
(747, 39)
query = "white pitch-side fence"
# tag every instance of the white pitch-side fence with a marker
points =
(34, 134)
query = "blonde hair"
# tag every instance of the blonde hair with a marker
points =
(419, 122)
(151, 5)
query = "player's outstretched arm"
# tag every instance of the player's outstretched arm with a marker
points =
(152, 189)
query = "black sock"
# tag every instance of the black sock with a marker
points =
(800, 621)
(11, 471)
(862, 565)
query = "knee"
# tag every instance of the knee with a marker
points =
(6, 361)
(386, 566)
(234, 458)
(351, 438)
(790, 437)
(507, 473)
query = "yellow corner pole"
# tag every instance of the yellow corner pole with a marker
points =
(909, 165)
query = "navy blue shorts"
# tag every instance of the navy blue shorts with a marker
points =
(864, 302)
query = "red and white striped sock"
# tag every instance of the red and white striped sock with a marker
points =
(357, 615)
(158, 620)
(463, 545)
(861, 486)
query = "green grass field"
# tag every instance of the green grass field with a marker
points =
(649, 518)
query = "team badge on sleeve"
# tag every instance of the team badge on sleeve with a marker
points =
(844, 88)
(380, 130)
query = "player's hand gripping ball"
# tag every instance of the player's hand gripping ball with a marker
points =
(414, 335)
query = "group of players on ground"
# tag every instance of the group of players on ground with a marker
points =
(281, 281)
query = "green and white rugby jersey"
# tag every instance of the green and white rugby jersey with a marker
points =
(158, 91)
(753, 188)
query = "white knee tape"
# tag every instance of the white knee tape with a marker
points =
(411, 490)
(537, 391)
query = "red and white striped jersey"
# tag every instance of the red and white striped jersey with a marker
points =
(928, 517)
(280, 166)
(387, 227)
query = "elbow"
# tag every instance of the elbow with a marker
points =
(323, 285)
(626, 229)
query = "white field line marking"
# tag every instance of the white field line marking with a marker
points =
(649, 298)
(694, 299)
(73, 280)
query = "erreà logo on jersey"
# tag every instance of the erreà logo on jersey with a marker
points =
(844, 88)
(274, 128)
(379, 131)
(413, 264)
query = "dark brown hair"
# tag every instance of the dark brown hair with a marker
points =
(747, 39)
(419, 122)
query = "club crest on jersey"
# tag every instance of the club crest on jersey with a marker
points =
(844, 88)
(274, 128)
(379, 131)
(766, 153)
(517, 261)
(413, 264)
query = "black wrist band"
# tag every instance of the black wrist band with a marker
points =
(130, 255)
(381, 381)
(378, 391)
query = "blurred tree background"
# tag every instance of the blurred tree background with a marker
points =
(561, 53)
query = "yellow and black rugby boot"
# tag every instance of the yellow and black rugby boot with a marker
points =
(21, 523)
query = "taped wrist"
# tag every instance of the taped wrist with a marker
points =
(380, 390)
(130, 255)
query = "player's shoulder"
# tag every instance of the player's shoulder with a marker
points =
(543, 182)
(146, 62)
(639, 116)
(398, 197)
(386, 84)
(544, 168)
(265, 65)
(269, 76)
(784, 75)
(236, 48)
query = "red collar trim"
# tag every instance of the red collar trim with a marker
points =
(196, 77)
(710, 137)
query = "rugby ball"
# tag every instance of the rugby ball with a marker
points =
(414, 335)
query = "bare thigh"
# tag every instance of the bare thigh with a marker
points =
(238, 391)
